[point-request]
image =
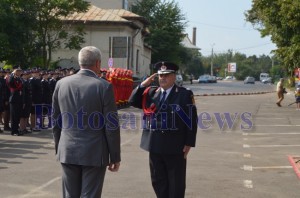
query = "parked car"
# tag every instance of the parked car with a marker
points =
(203, 79)
(263, 76)
(179, 80)
(212, 79)
(229, 78)
(249, 80)
(267, 80)
(219, 78)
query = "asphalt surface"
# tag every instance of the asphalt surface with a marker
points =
(248, 159)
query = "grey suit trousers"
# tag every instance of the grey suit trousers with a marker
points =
(82, 181)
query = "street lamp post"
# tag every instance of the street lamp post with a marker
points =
(212, 57)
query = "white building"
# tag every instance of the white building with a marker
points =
(118, 33)
(112, 4)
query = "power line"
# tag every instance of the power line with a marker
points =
(244, 48)
(223, 27)
(251, 47)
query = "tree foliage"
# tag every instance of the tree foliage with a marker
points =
(32, 29)
(279, 19)
(167, 24)
(246, 66)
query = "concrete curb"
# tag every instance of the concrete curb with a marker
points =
(235, 94)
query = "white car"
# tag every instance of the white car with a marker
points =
(267, 80)
(249, 80)
(229, 78)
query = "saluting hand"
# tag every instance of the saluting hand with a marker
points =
(149, 80)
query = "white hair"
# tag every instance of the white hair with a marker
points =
(88, 56)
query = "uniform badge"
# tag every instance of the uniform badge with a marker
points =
(163, 68)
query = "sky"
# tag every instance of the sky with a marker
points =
(221, 26)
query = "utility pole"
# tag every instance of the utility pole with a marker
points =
(212, 57)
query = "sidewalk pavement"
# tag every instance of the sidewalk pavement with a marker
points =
(28, 167)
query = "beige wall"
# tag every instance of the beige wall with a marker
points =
(99, 36)
(111, 4)
(107, 4)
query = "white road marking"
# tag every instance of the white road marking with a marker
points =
(247, 155)
(247, 168)
(251, 168)
(248, 184)
(30, 193)
(271, 167)
(278, 125)
(270, 146)
(258, 134)
(260, 118)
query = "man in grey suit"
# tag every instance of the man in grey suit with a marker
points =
(86, 128)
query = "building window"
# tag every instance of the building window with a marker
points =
(119, 47)
(137, 68)
(125, 4)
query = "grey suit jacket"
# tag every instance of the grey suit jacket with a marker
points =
(86, 126)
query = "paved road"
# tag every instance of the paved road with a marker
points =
(227, 162)
(228, 86)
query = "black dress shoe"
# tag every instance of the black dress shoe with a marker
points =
(7, 128)
(35, 129)
(16, 134)
(26, 131)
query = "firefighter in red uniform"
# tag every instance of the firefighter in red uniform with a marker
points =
(16, 99)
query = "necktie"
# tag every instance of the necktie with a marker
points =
(163, 98)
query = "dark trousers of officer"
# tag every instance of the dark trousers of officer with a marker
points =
(168, 174)
(15, 115)
(6, 115)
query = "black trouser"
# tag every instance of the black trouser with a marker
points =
(15, 115)
(168, 174)
(6, 117)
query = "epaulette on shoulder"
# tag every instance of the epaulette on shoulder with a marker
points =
(182, 88)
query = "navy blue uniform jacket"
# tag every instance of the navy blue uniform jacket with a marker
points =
(173, 125)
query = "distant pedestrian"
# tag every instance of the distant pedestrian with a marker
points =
(297, 97)
(280, 92)
(191, 77)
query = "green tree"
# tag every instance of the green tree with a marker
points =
(190, 61)
(16, 38)
(167, 24)
(279, 19)
(31, 30)
(52, 32)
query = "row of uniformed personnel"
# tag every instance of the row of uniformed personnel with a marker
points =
(21, 92)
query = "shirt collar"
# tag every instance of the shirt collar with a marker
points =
(90, 71)
(168, 90)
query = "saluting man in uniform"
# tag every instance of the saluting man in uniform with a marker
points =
(16, 99)
(169, 129)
